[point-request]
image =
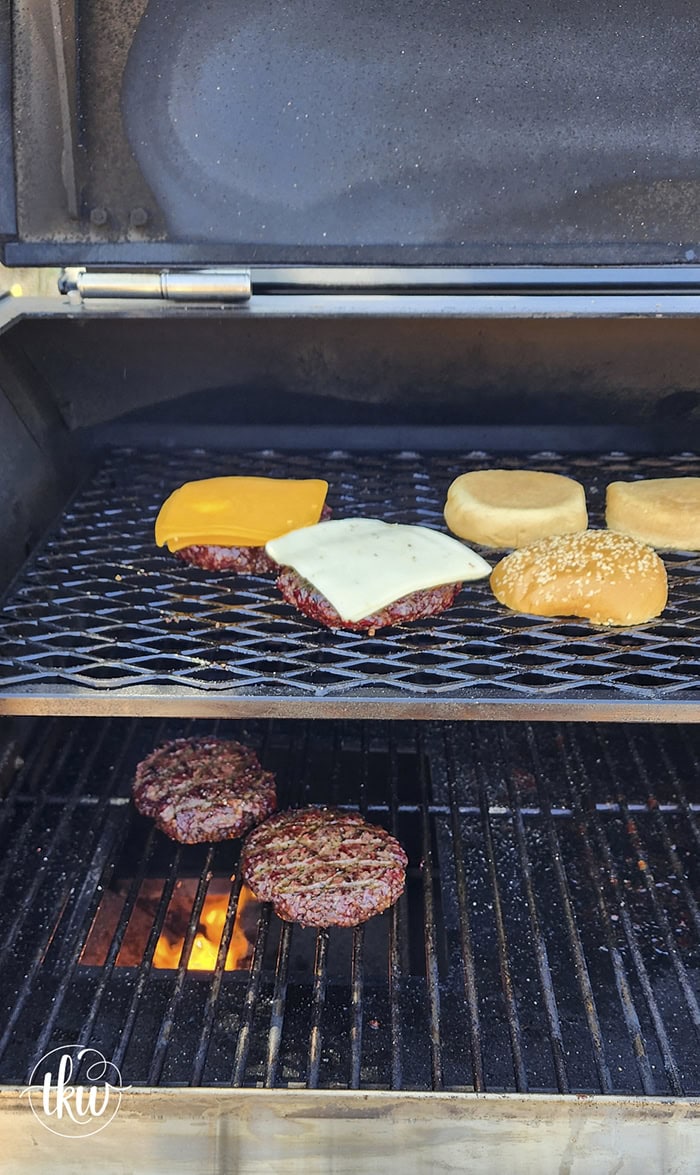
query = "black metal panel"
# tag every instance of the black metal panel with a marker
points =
(472, 132)
(548, 939)
(8, 222)
(99, 610)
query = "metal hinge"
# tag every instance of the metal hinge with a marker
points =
(187, 285)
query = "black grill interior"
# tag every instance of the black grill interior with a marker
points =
(548, 939)
(99, 610)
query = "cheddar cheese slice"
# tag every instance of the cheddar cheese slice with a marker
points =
(362, 565)
(238, 511)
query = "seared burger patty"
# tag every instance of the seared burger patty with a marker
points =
(323, 867)
(307, 598)
(244, 560)
(204, 789)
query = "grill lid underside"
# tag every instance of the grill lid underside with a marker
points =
(401, 133)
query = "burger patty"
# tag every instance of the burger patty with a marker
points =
(244, 560)
(323, 867)
(307, 598)
(203, 789)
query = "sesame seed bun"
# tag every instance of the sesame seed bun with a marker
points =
(602, 576)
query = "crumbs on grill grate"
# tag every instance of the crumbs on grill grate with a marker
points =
(204, 789)
(324, 867)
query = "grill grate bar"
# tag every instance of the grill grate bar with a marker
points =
(251, 999)
(356, 1005)
(71, 882)
(358, 940)
(659, 914)
(514, 1032)
(33, 769)
(541, 956)
(431, 961)
(216, 982)
(662, 827)
(580, 965)
(255, 978)
(279, 1002)
(622, 984)
(396, 937)
(144, 967)
(166, 1028)
(689, 810)
(19, 843)
(589, 816)
(117, 938)
(73, 938)
(465, 932)
(318, 999)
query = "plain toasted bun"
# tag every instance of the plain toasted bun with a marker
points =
(602, 576)
(514, 507)
(662, 511)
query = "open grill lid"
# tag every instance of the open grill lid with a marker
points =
(467, 133)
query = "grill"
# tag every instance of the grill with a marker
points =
(547, 940)
(384, 249)
(101, 621)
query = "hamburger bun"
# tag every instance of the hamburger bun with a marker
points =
(602, 576)
(514, 507)
(661, 511)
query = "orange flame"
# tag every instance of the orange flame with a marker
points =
(205, 948)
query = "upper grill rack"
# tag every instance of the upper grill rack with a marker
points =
(101, 621)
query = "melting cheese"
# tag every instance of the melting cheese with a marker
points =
(362, 565)
(237, 511)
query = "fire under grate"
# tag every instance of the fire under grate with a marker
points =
(100, 615)
(548, 939)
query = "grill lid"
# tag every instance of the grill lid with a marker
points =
(414, 133)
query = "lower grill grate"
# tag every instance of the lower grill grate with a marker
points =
(100, 616)
(548, 939)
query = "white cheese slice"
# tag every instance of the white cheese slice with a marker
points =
(362, 565)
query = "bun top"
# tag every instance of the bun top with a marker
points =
(521, 489)
(600, 575)
(514, 507)
(662, 511)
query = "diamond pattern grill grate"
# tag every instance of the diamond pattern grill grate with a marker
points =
(99, 613)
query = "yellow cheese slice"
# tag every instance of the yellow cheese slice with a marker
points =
(362, 565)
(238, 511)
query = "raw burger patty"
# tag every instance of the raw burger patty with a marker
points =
(244, 560)
(204, 789)
(305, 597)
(323, 867)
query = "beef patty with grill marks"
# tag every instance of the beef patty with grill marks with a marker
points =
(323, 867)
(309, 600)
(204, 789)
